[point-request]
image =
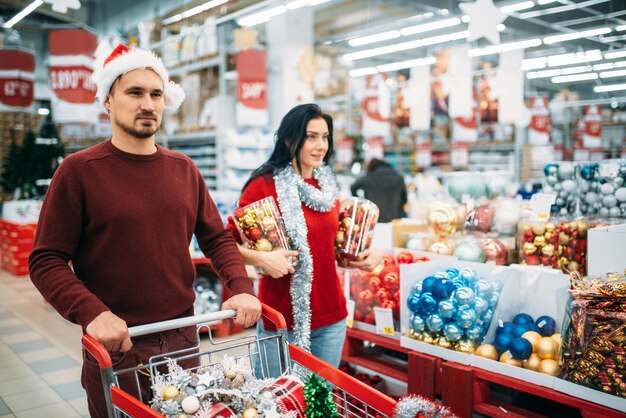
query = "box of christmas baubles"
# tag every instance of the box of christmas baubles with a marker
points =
(381, 288)
(524, 340)
(448, 305)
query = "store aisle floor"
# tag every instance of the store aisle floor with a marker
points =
(40, 356)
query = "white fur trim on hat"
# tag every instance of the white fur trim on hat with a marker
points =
(135, 59)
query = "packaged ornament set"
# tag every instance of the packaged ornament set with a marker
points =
(357, 219)
(594, 334)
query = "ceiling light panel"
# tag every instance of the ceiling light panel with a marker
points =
(575, 77)
(576, 35)
(378, 37)
(610, 87)
(427, 27)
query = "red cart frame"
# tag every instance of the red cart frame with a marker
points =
(353, 398)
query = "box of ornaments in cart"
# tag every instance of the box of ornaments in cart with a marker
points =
(524, 339)
(374, 297)
(448, 305)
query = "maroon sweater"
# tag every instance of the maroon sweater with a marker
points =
(125, 222)
(328, 304)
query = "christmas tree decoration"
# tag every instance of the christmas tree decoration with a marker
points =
(319, 400)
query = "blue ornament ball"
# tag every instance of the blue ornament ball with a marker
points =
(551, 169)
(587, 172)
(417, 288)
(474, 333)
(417, 323)
(496, 286)
(546, 325)
(452, 273)
(427, 303)
(519, 330)
(442, 289)
(521, 348)
(493, 300)
(487, 316)
(466, 317)
(481, 306)
(427, 283)
(413, 302)
(483, 289)
(434, 323)
(506, 328)
(452, 332)
(447, 309)
(467, 273)
(442, 275)
(464, 296)
(503, 342)
(533, 327)
(523, 319)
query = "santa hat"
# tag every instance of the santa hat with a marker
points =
(124, 59)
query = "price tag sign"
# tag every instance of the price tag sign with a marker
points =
(424, 155)
(609, 169)
(541, 203)
(350, 304)
(384, 321)
(459, 155)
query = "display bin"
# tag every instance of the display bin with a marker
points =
(353, 398)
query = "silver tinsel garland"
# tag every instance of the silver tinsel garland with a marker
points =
(410, 406)
(292, 191)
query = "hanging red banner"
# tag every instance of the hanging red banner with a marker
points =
(251, 69)
(592, 134)
(17, 72)
(71, 65)
(540, 122)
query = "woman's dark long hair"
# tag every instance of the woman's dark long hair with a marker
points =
(290, 137)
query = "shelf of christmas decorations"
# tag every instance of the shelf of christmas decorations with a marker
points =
(244, 150)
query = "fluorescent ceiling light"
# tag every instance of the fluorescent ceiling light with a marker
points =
(574, 58)
(21, 15)
(610, 74)
(512, 8)
(575, 70)
(501, 27)
(609, 66)
(620, 28)
(465, 19)
(575, 77)
(377, 37)
(542, 74)
(542, 2)
(615, 54)
(427, 27)
(394, 66)
(262, 17)
(575, 35)
(193, 11)
(43, 111)
(296, 4)
(417, 43)
(609, 87)
(511, 46)
(534, 63)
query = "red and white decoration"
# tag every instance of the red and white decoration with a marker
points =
(71, 67)
(592, 135)
(17, 74)
(466, 129)
(460, 82)
(540, 123)
(373, 107)
(251, 107)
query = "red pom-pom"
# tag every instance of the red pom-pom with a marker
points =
(404, 257)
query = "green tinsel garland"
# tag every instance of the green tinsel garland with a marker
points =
(318, 399)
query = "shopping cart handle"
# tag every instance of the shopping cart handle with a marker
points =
(180, 323)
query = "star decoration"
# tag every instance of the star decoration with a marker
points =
(61, 6)
(306, 66)
(245, 38)
(485, 17)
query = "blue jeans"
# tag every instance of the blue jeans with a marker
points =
(326, 344)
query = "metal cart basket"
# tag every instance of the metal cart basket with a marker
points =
(353, 397)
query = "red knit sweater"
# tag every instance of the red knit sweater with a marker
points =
(328, 304)
(125, 221)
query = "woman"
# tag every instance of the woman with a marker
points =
(308, 295)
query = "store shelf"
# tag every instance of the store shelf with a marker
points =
(188, 137)
(195, 66)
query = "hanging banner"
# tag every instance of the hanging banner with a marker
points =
(592, 135)
(251, 107)
(460, 79)
(375, 118)
(440, 82)
(540, 124)
(510, 87)
(466, 129)
(17, 75)
(418, 98)
(71, 65)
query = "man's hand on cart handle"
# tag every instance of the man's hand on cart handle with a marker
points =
(111, 331)
(248, 309)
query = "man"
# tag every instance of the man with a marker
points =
(123, 212)
(383, 186)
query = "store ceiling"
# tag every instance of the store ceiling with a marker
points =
(338, 21)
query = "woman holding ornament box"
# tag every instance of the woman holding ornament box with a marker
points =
(309, 294)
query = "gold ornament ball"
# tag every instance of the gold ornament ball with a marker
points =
(487, 351)
(547, 348)
(539, 241)
(549, 367)
(529, 248)
(263, 245)
(170, 392)
(550, 227)
(442, 342)
(539, 228)
(533, 337)
(250, 413)
(427, 338)
(548, 250)
(556, 337)
(507, 358)
(532, 363)
(442, 248)
(466, 347)
(443, 220)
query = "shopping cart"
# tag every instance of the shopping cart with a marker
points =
(353, 397)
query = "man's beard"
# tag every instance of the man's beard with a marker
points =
(142, 133)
